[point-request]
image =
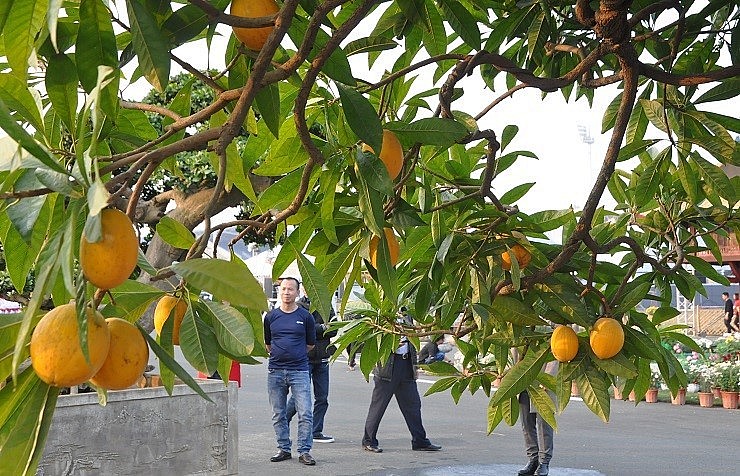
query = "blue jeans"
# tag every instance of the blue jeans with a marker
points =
(320, 378)
(298, 382)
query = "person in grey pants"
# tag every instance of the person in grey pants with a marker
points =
(538, 434)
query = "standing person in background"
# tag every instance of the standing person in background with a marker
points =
(290, 332)
(736, 304)
(397, 377)
(318, 361)
(538, 434)
(729, 311)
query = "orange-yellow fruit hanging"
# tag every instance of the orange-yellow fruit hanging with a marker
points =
(606, 338)
(564, 343)
(253, 38)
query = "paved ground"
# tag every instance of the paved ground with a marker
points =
(650, 439)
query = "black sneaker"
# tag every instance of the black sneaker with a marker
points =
(322, 438)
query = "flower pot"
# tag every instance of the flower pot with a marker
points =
(729, 399)
(651, 396)
(706, 399)
(631, 396)
(717, 392)
(680, 398)
(574, 389)
(617, 393)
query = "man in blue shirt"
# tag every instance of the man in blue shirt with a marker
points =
(290, 332)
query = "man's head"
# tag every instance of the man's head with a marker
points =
(725, 296)
(737, 295)
(288, 290)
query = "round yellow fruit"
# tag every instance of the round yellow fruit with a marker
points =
(253, 38)
(127, 356)
(391, 153)
(393, 247)
(162, 313)
(607, 337)
(56, 354)
(109, 262)
(564, 343)
(523, 257)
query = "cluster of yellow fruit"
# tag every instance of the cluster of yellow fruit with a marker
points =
(117, 352)
(606, 339)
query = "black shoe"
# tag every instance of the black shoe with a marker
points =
(307, 459)
(281, 456)
(429, 447)
(322, 438)
(372, 448)
(542, 470)
(530, 468)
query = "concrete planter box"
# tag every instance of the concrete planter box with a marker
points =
(145, 431)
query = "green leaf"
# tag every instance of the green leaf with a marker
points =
(618, 365)
(430, 131)
(61, 85)
(510, 131)
(24, 21)
(654, 112)
(371, 170)
(564, 302)
(132, 300)
(715, 177)
(96, 42)
(229, 281)
(336, 66)
(315, 285)
(172, 364)
(25, 418)
(18, 98)
(510, 410)
(233, 331)
(650, 179)
(634, 148)
(175, 233)
(462, 22)
(369, 44)
(371, 205)
(706, 269)
(507, 309)
(19, 135)
(361, 116)
(198, 343)
(540, 399)
(268, 105)
(516, 193)
(517, 379)
(441, 385)
(727, 89)
(594, 389)
(633, 298)
(494, 417)
(151, 45)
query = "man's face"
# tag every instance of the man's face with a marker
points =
(288, 291)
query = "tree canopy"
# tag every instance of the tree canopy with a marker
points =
(302, 112)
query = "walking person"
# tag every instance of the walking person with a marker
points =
(290, 332)
(318, 369)
(729, 311)
(736, 305)
(397, 378)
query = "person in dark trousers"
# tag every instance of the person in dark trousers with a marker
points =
(318, 361)
(729, 311)
(397, 378)
(290, 332)
(538, 434)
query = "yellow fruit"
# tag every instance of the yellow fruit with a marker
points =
(56, 354)
(162, 313)
(523, 257)
(391, 153)
(393, 247)
(127, 356)
(110, 261)
(564, 343)
(607, 337)
(253, 38)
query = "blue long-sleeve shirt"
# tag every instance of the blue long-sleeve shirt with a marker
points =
(288, 334)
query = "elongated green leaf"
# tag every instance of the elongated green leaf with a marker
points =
(707, 270)
(18, 98)
(61, 85)
(726, 90)
(233, 330)
(517, 379)
(618, 365)
(372, 171)
(336, 269)
(175, 233)
(441, 385)
(541, 400)
(25, 418)
(337, 66)
(594, 389)
(285, 155)
(371, 43)
(536, 34)
(268, 104)
(516, 193)
(510, 410)
(430, 131)
(315, 286)
(462, 21)
(361, 116)
(512, 310)
(96, 43)
(715, 177)
(24, 21)
(132, 300)
(226, 280)
(172, 364)
(151, 45)
(19, 135)
(552, 219)
(654, 112)
(494, 417)
(633, 297)
(198, 343)
(564, 302)
(651, 178)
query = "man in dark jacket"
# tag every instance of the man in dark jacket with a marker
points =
(397, 377)
(318, 359)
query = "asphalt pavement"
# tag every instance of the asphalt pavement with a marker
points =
(648, 439)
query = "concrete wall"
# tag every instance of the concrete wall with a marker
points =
(144, 431)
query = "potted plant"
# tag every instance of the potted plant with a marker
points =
(706, 380)
(651, 396)
(729, 382)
